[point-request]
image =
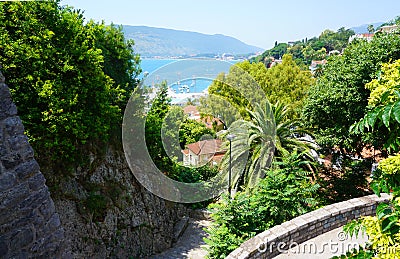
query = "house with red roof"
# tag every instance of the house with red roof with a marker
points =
(203, 152)
(365, 36)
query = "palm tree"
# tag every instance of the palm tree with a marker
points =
(268, 133)
(288, 133)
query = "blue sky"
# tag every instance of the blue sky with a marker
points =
(255, 22)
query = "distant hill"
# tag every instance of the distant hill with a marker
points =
(150, 42)
(364, 28)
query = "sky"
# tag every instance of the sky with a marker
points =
(255, 22)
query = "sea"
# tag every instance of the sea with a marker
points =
(196, 85)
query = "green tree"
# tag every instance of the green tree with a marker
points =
(383, 118)
(383, 230)
(218, 107)
(154, 122)
(120, 61)
(297, 52)
(285, 83)
(285, 193)
(388, 79)
(55, 67)
(371, 28)
(288, 84)
(276, 52)
(302, 50)
(239, 87)
(268, 132)
(339, 97)
(192, 131)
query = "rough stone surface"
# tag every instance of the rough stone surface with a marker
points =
(307, 226)
(135, 223)
(29, 224)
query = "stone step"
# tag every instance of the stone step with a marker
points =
(180, 227)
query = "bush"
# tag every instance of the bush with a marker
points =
(285, 193)
(59, 71)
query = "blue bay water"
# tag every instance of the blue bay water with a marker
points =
(191, 85)
(151, 65)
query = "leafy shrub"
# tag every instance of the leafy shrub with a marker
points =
(69, 79)
(383, 230)
(285, 193)
(95, 205)
(193, 174)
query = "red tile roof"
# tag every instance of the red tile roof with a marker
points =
(217, 158)
(210, 146)
(191, 110)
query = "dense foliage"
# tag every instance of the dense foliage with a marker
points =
(288, 84)
(339, 97)
(285, 83)
(343, 181)
(286, 192)
(383, 230)
(69, 79)
(305, 50)
(268, 133)
(192, 131)
(184, 131)
(383, 116)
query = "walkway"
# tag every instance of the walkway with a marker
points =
(332, 243)
(190, 244)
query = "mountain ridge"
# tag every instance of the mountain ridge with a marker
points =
(163, 42)
(364, 27)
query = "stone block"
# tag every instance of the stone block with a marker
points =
(26, 169)
(21, 239)
(279, 231)
(36, 182)
(180, 227)
(53, 224)
(7, 181)
(235, 253)
(35, 199)
(10, 160)
(10, 198)
(290, 227)
(12, 126)
(3, 247)
(22, 190)
(47, 209)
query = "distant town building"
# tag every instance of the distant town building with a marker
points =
(209, 121)
(203, 152)
(334, 52)
(227, 56)
(365, 36)
(315, 63)
(389, 28)
(271, 61)
(192, 112)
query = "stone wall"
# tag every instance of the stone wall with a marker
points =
(29, 225)
(134, 223)
(102, 210)
(307, 226)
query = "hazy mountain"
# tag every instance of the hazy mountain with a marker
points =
(150, 42)
(364, 28)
